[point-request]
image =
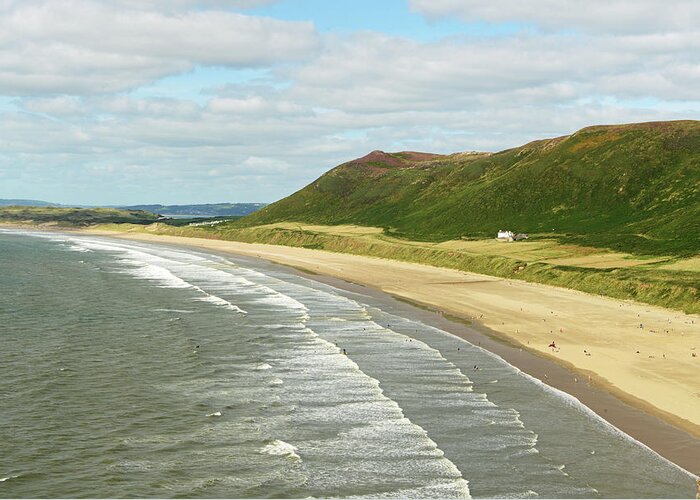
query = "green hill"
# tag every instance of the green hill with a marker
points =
(633, 187)
(72, 217)
(26, 203)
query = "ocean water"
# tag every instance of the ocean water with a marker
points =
(130, 370)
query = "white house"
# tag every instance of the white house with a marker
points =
(506, 235)
(510, 236)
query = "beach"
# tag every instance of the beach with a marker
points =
(639, 354)
(217, 374)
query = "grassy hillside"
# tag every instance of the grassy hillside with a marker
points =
(634, 188)
(74, 216)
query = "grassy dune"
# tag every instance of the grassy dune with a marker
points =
(647, 281)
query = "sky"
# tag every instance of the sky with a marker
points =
(110, 102)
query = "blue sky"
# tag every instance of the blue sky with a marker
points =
(386, 16)
(189, 101)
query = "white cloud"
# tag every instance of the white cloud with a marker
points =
(320, 100)
(56, 106)
(268, 165)
(372, 73)
(192, 4)
(597, 16)
(257, 105)
(84, 47)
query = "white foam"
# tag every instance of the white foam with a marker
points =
(78, 248)
(160, 275)
(307, 366)
(527, 451)
(576, 403)
(145, 265)
(220, 302)
(391, 432)
(280, 448)
(572, 400)
(215, 414)
(458, 488)
(3, 479)
(477, 401)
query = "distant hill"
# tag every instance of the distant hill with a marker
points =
(207, 210)
(65, 216)
(630, 187)
(26, 203)
(203, 210)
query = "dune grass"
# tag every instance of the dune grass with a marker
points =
(649, 283)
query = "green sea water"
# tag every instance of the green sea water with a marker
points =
(133, 370)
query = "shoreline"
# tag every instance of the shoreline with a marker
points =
(659, 430)
(662, 431)
(669, 441)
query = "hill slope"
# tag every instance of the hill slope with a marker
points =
(26, 203)
(70, 217)
(630, 187)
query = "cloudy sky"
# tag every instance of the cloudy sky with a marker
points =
(198, 101)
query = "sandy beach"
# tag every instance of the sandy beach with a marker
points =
(640, 354)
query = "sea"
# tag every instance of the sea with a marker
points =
(141, 370)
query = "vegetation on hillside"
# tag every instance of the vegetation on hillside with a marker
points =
(634, 188)
(68, 217)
